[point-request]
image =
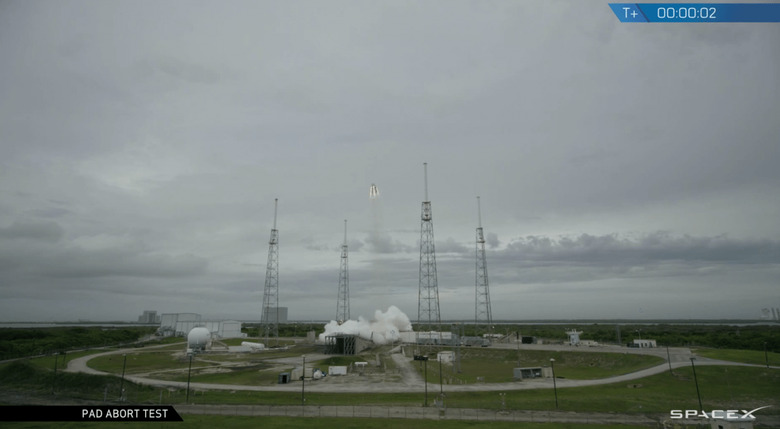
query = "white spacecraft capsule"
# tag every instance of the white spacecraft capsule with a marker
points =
(373, 191)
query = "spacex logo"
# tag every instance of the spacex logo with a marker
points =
(716, 414)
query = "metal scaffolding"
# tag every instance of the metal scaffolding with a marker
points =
(428, 316)
(483, 315)
(270, 314)
(342, 305)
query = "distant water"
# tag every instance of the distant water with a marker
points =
(70, 324)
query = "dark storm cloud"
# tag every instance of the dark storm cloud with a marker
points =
(50, 212)
(38, 231)
(650, 248)
(120, 263)
(74, 262)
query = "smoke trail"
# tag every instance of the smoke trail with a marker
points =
(379, 241)
(384, 328)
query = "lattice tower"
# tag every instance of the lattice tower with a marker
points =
(342, 305)
(428, 316)
(483, 315)
(270, 317)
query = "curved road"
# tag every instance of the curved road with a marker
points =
(411, 380)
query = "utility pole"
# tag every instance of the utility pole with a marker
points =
(270, 315)
(696, 380)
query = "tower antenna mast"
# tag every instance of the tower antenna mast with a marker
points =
(342, 303)
(483, 315)
(270, 310)
(428, 314)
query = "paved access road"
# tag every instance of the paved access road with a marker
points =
(409, 380)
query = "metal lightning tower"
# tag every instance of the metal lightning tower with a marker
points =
(342, 306)
(483, 316)
(270, 318)
(428, 316)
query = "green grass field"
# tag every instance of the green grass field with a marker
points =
(722, 387)
(240, 422)
(745, 356)
(495, 366)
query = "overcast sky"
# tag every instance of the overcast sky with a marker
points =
(625, 170)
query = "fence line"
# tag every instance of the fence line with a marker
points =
(429, 413)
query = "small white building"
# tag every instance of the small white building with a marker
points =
(337, 370)
(645, 343)
(179, 324)
(574, 337)
(445, 356)
(428, 337)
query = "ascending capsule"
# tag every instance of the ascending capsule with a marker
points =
(373, 192)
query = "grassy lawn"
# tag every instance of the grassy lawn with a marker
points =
(241, 422)
(495, 366)
(47, 362)
(144, 361)
(722, 387)
(244, 376)
(745, 356)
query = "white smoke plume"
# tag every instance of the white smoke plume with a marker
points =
(384, 328)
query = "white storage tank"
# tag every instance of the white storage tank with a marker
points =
(199, 339)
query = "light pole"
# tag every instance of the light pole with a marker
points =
(303, 380)
(696, 380)
(189, 373)
(441, 386)
(122, 383)
(441, 383)
(555, 386)
(54, 380)
(766, 356)
(424, 359)
(426, 380)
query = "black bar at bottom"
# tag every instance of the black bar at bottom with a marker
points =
(89, 413)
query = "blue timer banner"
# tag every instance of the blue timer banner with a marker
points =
(697, 12)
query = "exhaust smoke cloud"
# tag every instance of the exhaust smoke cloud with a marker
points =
(384, 328)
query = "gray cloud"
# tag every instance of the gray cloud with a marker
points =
(38, 231)
(140, 159)
(384, 243)
(491, 238)
(646, 249)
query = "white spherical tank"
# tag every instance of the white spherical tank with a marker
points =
(198, 338)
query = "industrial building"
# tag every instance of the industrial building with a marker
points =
(345, 344)
(180, 324)
(532, 372)
(277, 314)
(574, 337)
(149, 317)
(644, 343)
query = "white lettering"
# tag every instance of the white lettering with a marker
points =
(154, 413)
(91, 413)
(122, 413)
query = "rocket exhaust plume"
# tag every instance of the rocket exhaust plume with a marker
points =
(384, 328)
